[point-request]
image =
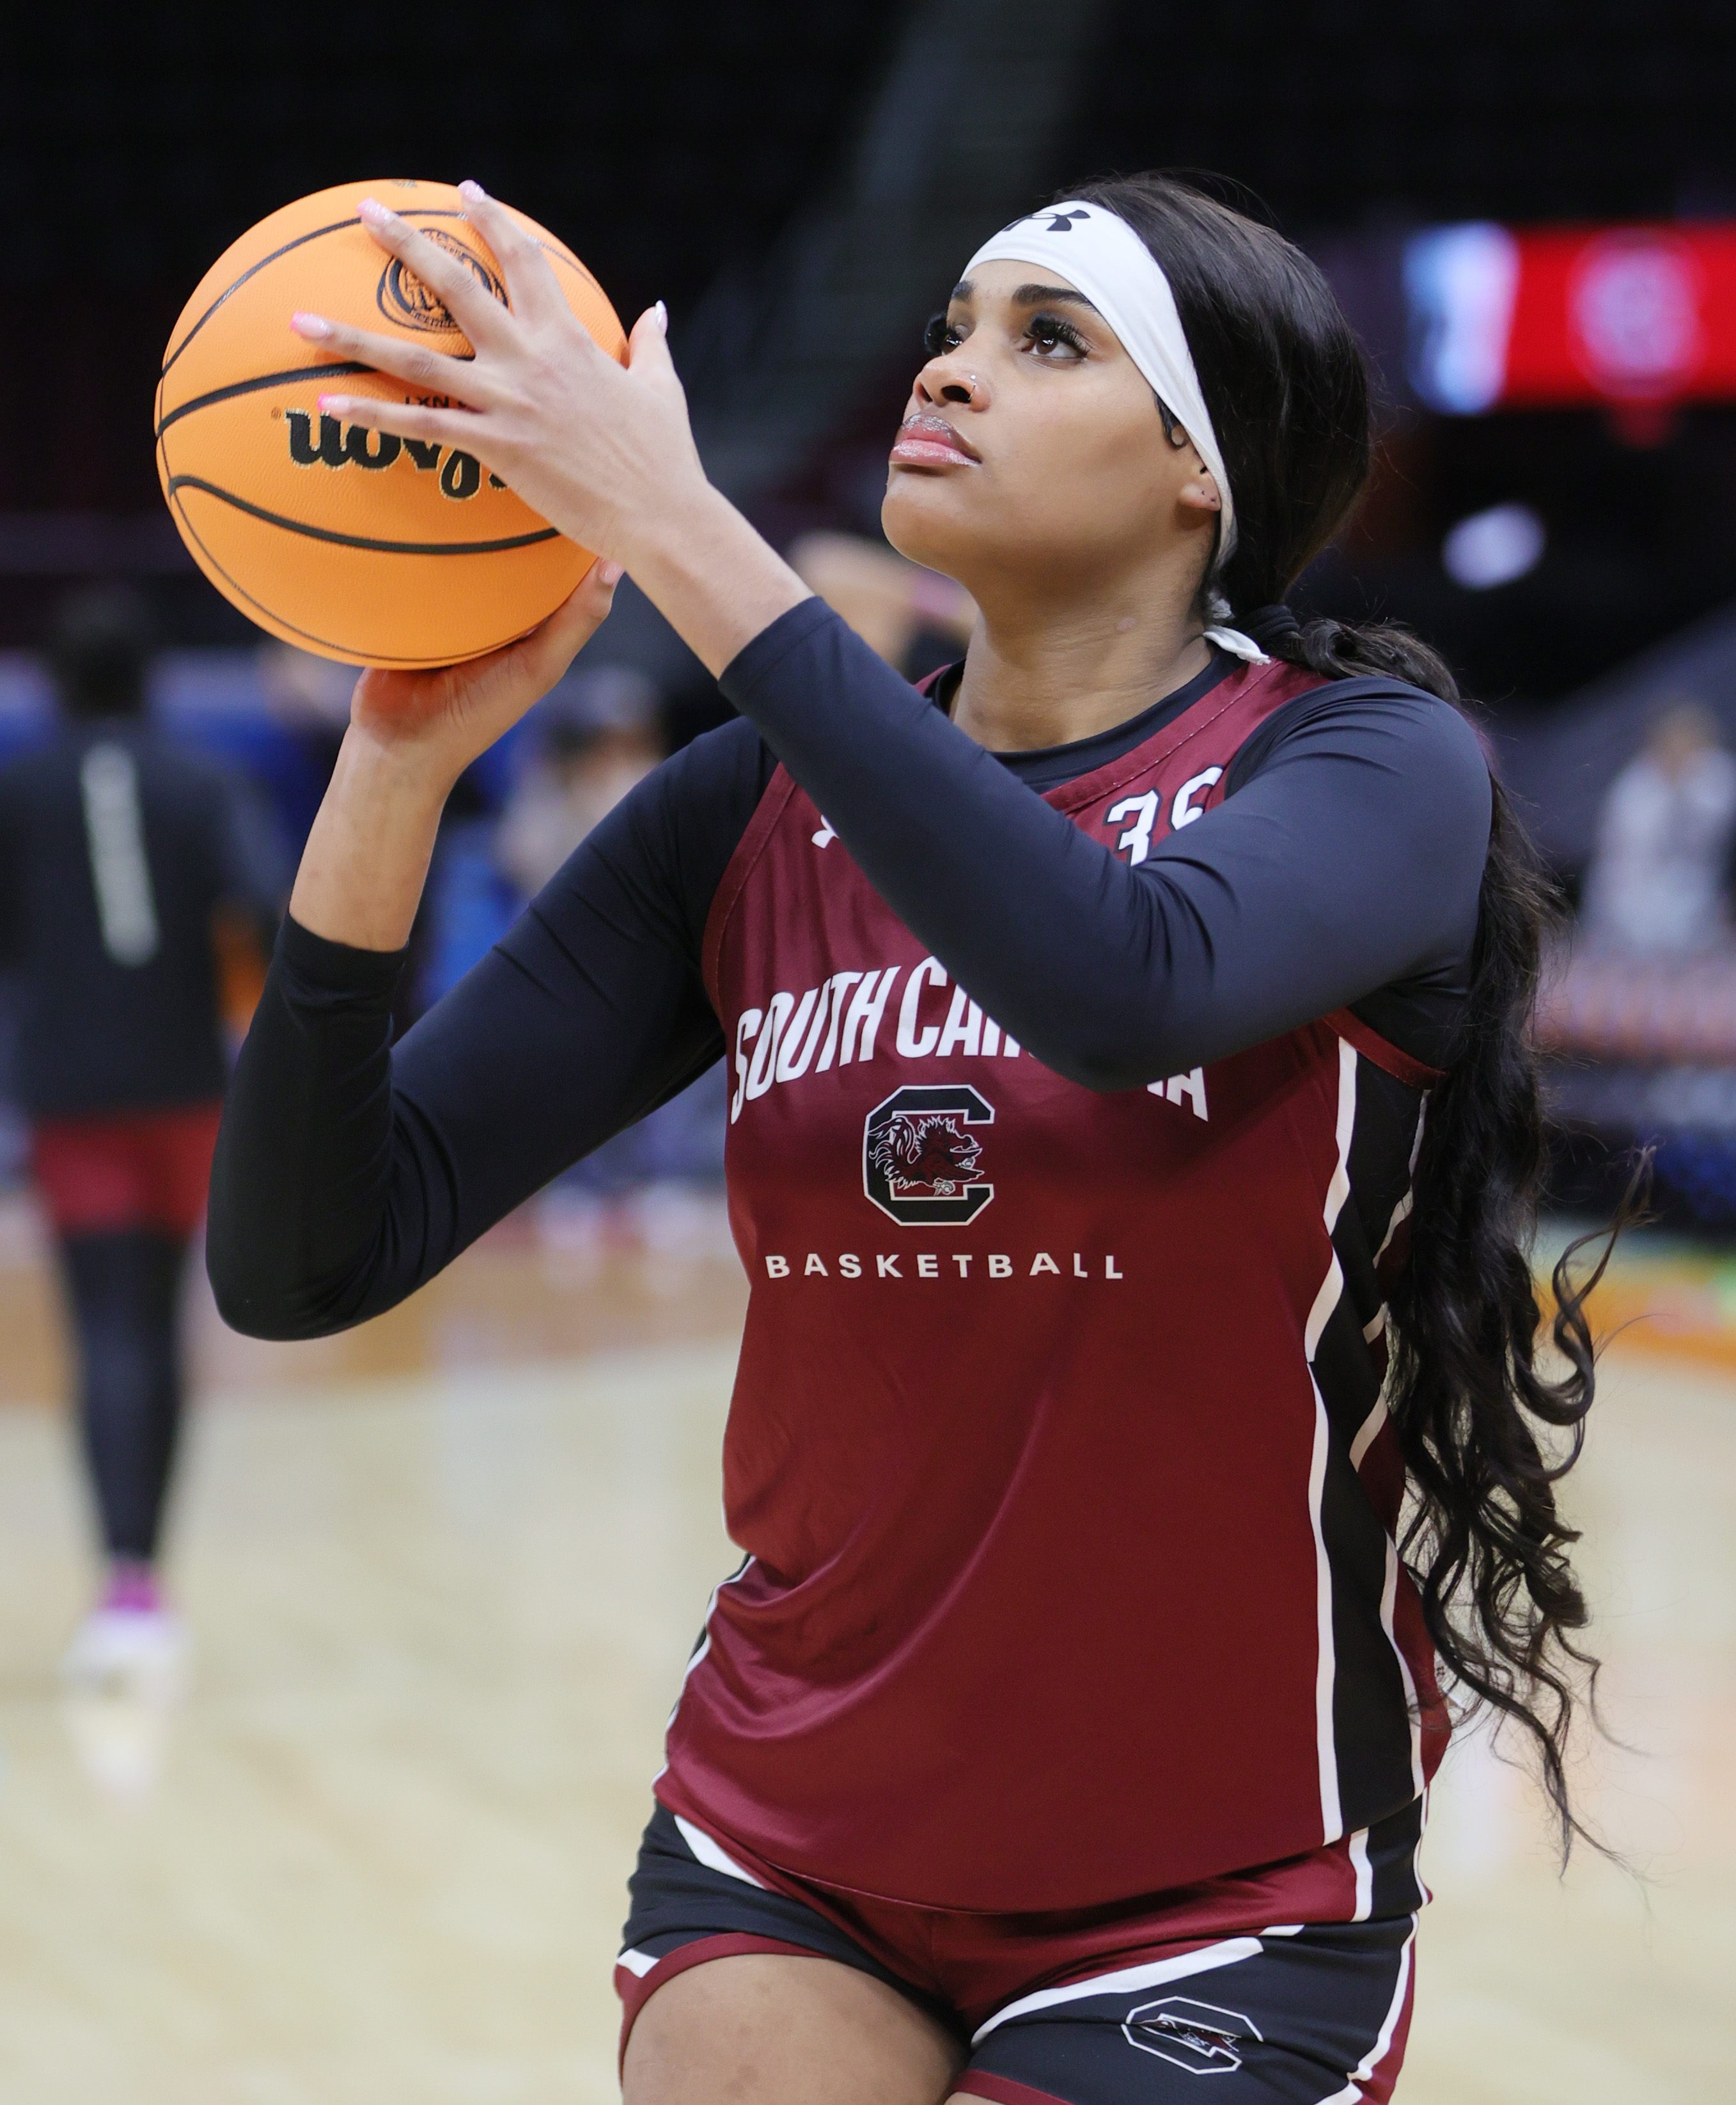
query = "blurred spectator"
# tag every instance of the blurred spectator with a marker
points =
(895, 606)
(598, 737)
(308, 698)
(134, 881)
(1658, 885)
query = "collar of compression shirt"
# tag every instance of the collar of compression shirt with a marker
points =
(1099, 255)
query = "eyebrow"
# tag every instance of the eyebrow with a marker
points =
(1031, 296)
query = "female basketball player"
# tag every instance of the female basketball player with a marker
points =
(1126, 1044)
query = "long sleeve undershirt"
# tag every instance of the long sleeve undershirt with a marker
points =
(1343, 869)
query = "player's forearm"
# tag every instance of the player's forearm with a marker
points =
(366, 858)
(709, 573)
(300, 1185)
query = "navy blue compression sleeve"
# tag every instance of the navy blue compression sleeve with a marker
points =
(1352, 859)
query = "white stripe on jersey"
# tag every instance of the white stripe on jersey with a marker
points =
(1364, 1871)
(1364, 1439)
(1413, 1714)
(1401, 1211)
(1368, 1432)
(1332, 1287)
(120, 872)
(1332, 1812)
(702, 1648)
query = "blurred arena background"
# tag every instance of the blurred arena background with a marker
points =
(440, 1574)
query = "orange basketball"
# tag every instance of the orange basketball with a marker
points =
(352, 543)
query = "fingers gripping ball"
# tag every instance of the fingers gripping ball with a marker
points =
(356, 544)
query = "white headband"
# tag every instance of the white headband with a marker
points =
(1099, 255)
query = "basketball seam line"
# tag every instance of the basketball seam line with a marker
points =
(270, 379)
(314, 233)
(253, 387)
(336, 227)
(273, 620)
(179, 482)
(196, 541)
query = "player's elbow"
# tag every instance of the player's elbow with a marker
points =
(254, 1310)
(255, 1296)
(252, 1314)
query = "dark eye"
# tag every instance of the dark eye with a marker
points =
(940, 336)
(1049, 333)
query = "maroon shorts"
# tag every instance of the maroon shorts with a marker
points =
(1291, 1982)
(116, 1170)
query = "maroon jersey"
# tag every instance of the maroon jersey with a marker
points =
(1056, 1447)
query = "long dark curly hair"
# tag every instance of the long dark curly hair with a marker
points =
(1486, 1433)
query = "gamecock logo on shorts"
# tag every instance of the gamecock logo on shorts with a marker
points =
(403, 297)
(1199, 2037)
(921, 1163)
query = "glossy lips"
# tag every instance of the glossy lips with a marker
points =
(927, 440)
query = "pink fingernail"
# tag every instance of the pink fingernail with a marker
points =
(610, 573)
(371, 211)
(472, 191)
(313, 325)
(663, 318)
(334, 405)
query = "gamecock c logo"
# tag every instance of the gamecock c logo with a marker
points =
(1199, 2037)
(921, 1163)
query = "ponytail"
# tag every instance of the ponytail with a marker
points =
(1485, 1433)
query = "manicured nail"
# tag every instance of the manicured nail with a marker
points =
(472, 191)
(336, 406)
(313, 325)
(663, 317)
(373, 213)
(609, 574)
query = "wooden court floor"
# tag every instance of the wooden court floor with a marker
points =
(444, 1575)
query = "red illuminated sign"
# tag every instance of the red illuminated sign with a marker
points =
(1638, 316)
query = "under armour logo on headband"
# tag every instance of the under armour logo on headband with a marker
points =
(1059, 222)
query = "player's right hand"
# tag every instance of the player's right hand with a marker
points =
(436, 721)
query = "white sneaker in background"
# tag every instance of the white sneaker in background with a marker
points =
(123, 1677)
(143, 1653)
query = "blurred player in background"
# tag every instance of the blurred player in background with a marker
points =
(898, 609)
(599, 738)
(1659, 885)
(133, 891)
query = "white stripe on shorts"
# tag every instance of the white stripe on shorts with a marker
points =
(711, 1856)
(1352, 2092)
(1230, 1953)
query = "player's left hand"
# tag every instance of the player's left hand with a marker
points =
(603, 452)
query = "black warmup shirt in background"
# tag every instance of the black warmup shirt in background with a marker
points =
(116, 849)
